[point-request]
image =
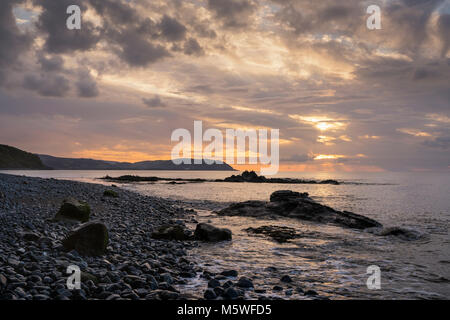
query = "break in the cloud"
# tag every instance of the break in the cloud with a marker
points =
(344, 97)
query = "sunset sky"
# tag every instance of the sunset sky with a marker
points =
(344, 97)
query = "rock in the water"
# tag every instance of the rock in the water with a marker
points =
(229, 273)
(213, 283)
(207, 232)
(286, 279)
(172, 232)
(300, 206)
(72, 209)
(311, 293)
(246, 176)
(209, 294)
(230, 293)
(245, 283)
(402, 233)
(279, 234)
(90, 239)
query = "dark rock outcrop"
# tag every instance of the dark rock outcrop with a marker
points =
(402, 233)
(72, 209)
(300, 206)
(209, 233)
(89, 239)
(172, 232)
(246, 176)
(252, 176)
(13, 158)
(278, 233)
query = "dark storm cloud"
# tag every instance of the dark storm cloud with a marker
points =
(154, 102)
(86, 85)
(410, 19)
(233, 13)
(440, 142)
(171, 29)
(192, 47)
(117, 11)
(53, 63)
(136, 50)
(59, 39)
(12, 41)
(444, 30)
(48, 85)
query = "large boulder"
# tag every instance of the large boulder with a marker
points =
(172, 232)
(72, 209)
(89, 239)
(209, 233)
(297, 205)
(110, 193)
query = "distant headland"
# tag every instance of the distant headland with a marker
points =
(15, 159)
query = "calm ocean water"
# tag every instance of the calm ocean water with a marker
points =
(328, 259)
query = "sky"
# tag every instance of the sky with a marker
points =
(345, 98)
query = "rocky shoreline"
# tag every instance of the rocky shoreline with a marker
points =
(135, 265)
(140, 247)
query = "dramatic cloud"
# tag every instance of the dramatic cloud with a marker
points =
(171, 29)
(344, 97)
(233, 13)
(54, 63)
(13, 42)
(86, 85)
(59, 39)
(49, 85)
(154, 102)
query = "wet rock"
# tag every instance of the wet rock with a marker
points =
(299, 290)
(278, 233)
(209, 233)
(72, 209)
(209, 294)
(300, 206)
(90, 239)
(227, 284)
(213, 283)
(286, 279)
(245, 282)
(229, 273)
(168, 295)
(219, 291)
(277, 288)
(402, 233)
(246, 176)
(311, 293)
(231, 293)
(172, 232)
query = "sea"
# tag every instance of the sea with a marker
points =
(333, 261)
